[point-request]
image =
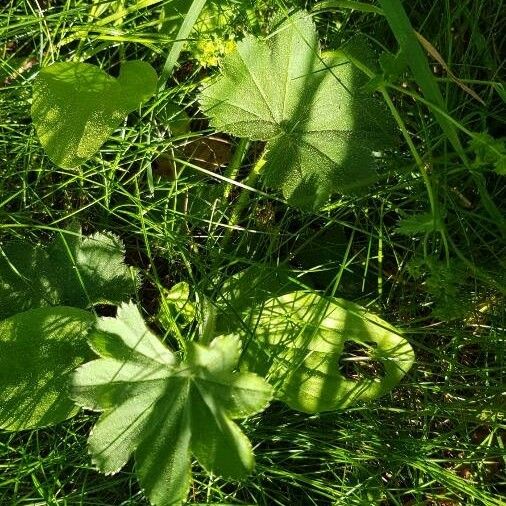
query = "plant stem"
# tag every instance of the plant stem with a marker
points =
(156, 278)
(208, 323)
(419, 65)
(243, 199)
(434, 203)
(235, 165)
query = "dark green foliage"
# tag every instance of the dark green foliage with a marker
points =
(72, 270)
(437, 437)
(447, 285)
(489, 152)
(417, 224)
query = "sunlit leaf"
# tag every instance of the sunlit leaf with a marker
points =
(162, 410)
(320, 130)
(297, 343)
(77, 106)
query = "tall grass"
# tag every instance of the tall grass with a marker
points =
(438, 439)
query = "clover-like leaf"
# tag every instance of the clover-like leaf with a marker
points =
(73, 270)
(77, 106)
(320, 130)
(39, 349)
(161, 410)
(299, 339)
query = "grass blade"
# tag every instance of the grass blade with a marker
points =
(178, 45)
(346, 4)
(419, 65)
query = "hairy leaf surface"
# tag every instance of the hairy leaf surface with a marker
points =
(299, 339)
(162, 410)
(320, 130)
(77, 106)
(73, 270)
(38, 351)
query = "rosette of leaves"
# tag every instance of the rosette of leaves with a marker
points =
(45, 294)
(161, 409)
(320, 129)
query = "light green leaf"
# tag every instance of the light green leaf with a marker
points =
(72, 270)
(423, 223)
(176, 304)
(137, 80)
(39, 349)
(299, 339)
(77, 106)
(320, 130)
(162, 410)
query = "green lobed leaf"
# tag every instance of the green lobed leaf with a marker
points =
(72, 270)
(415, 224)
(489, 151)
(320, 130)
(162, 410)
(40, 349)
(299, 339)
(77, 106)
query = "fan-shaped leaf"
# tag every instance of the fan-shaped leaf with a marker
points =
(320, 130)
(162, 410)
(73, 270)
(77, 106)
